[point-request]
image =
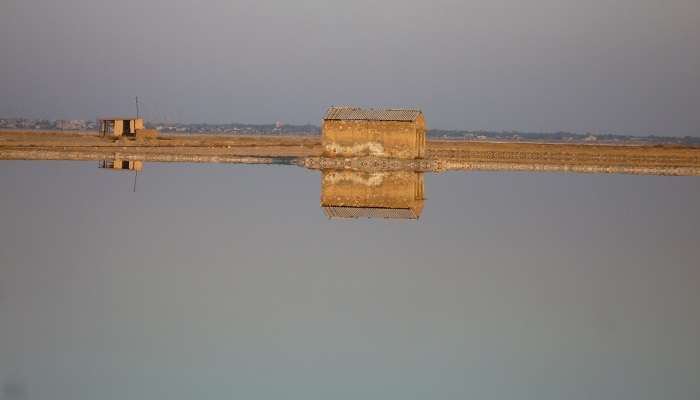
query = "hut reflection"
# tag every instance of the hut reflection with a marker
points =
(118, 164)
(357, 194)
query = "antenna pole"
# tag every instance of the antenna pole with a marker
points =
(137, 106)
(136, 175)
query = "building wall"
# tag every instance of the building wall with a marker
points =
(395, 189)
(395, 139)
(420, 132)
(118, 127)
(132, 124)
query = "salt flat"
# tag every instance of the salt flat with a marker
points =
(442, 155)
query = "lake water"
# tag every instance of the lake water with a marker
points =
(230, 281)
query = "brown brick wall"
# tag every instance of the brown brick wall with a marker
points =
(395, 139)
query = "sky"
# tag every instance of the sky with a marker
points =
(601, 66)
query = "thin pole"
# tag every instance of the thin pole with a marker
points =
(136, 175)
(137, 106)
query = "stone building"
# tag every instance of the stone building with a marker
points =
(357, 132)
(356, 194)
(120, 126)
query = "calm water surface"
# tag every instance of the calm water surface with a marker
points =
(220, 281)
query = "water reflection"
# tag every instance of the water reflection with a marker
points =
(221, 279)
(14, 390)
(360, 194)
(119, 164)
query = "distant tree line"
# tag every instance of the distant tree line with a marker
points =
(561, 137)
(310, 129)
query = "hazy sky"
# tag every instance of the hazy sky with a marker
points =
(623, 66)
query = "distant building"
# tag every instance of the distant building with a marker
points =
(120, 126)
(355, 194)
(357, 132)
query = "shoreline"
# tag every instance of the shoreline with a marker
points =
(306, 151)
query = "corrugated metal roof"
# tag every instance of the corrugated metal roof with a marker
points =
(356, 113)
(369, 212)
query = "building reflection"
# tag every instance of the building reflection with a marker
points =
(358, 194)
(122, 165)
(118, 164)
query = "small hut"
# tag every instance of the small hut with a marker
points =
(357, 132)
(355, 194)
(120, 126)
